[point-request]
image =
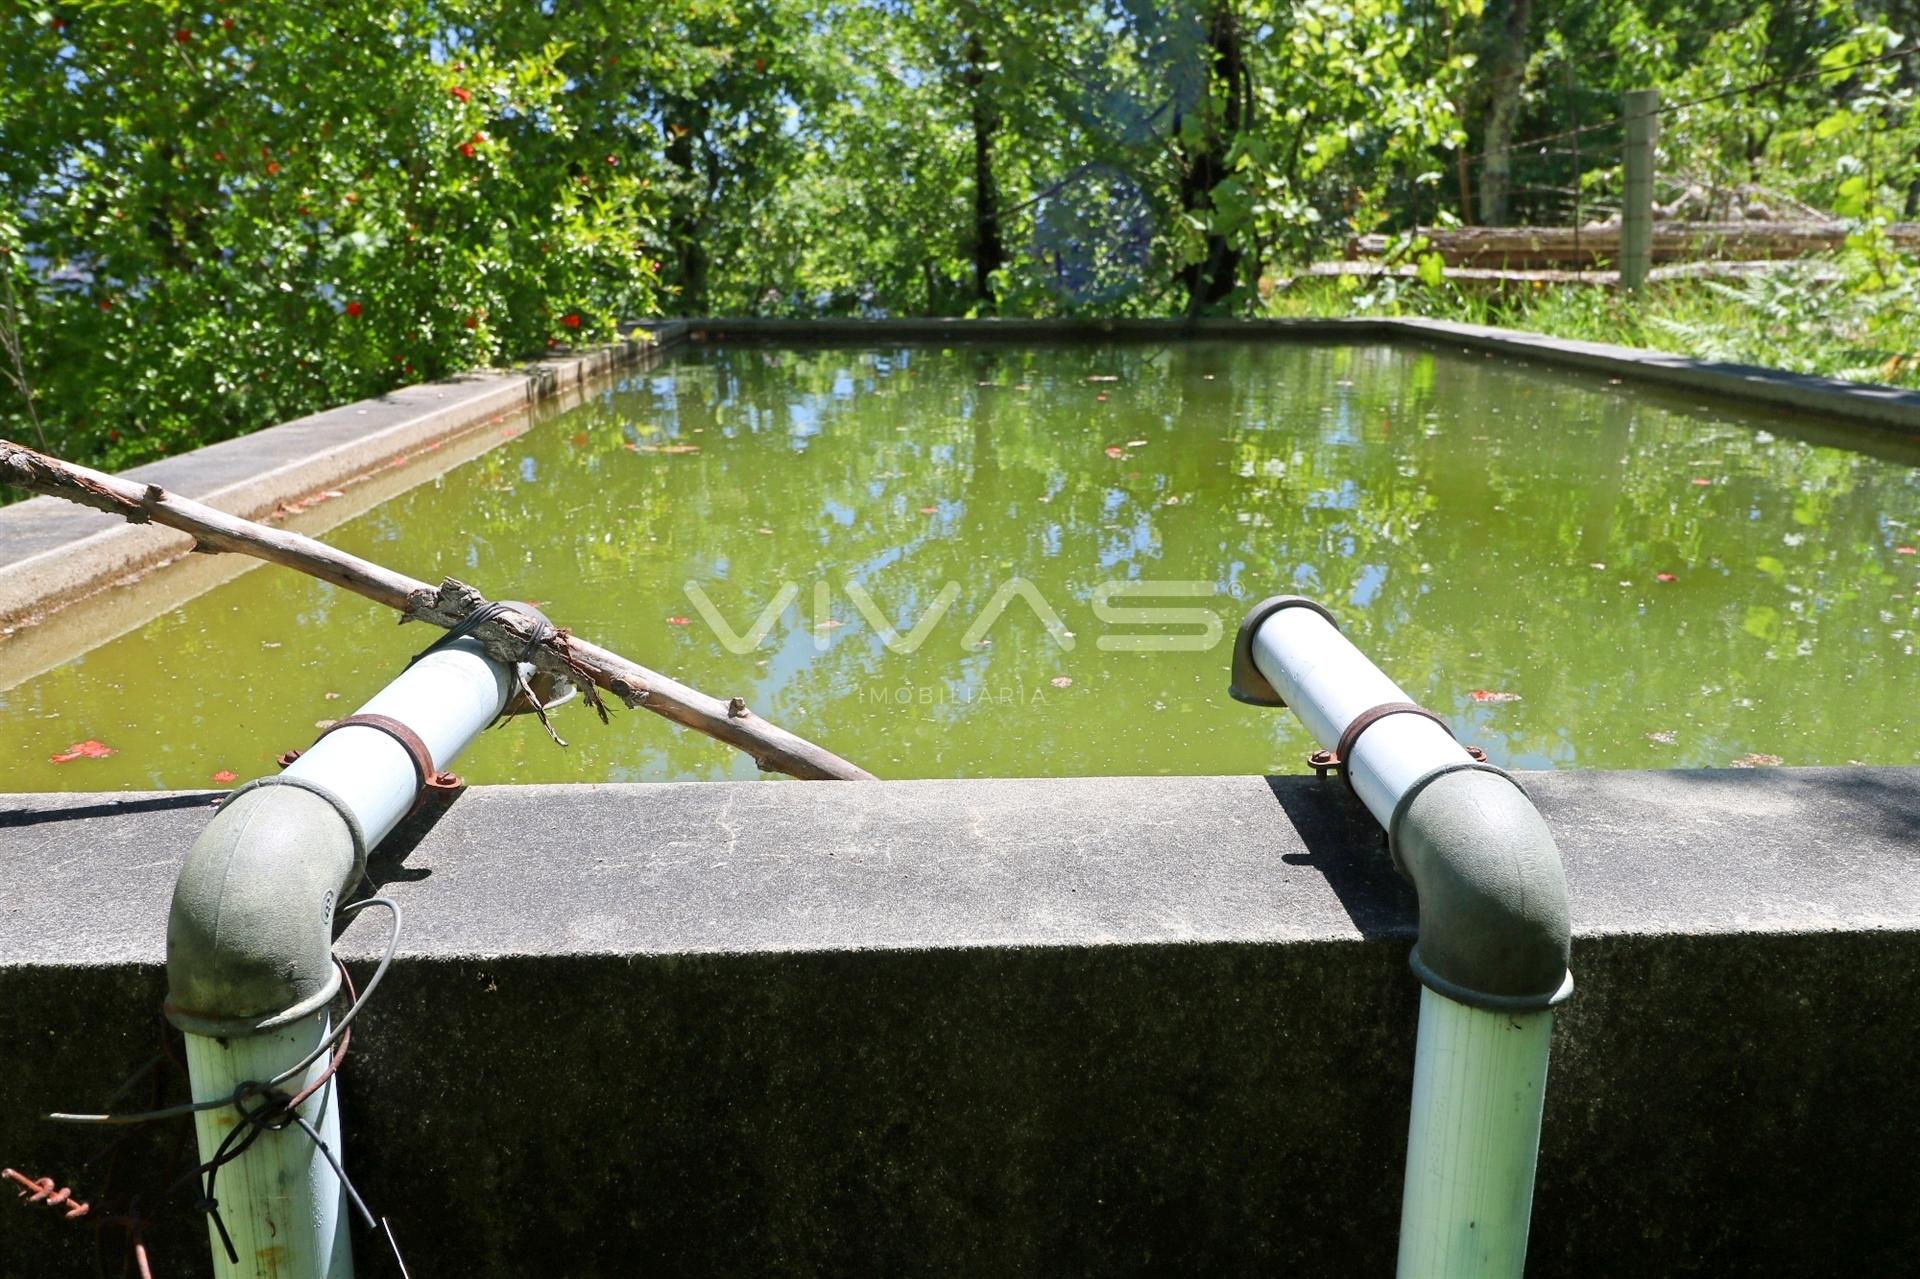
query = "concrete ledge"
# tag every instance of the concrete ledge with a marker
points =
(1032, 1027)
(53, 551)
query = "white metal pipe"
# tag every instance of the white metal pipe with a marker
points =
(1493, 931)
(446, 698)
(1479, 1083)
(280, 1203)
(1326, 681)
(249, 932)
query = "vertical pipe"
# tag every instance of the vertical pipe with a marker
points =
(280, 1202)
(246, 945)
(1636, 212)
(1479, 1082)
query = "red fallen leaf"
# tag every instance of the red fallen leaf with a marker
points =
(679, 621)
(1665, 577)
(929, 510)
(1701, 481)
(1904, 550)
(1061, 681)
(88, 749)
(580, 439)
(1485, 695)
(226, 775)
(1114, 450)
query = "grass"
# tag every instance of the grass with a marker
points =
(1824, 316)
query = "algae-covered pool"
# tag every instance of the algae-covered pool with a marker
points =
(1575, 573)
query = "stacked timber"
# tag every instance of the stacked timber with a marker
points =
(1549, 248)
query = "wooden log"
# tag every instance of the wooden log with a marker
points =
(568, 657)
(1528, 248)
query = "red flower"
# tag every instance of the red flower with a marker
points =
(226, 24)
(183, 35)
(219, 157)
(273, 167)
(572, 321)
(465, 95)
(466, 149)
(473, 322)
(106, 304)
(479, 138)
(353, 309)
(612, 160)
(59, 24)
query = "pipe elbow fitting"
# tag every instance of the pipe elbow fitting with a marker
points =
(1495, 928)
(250, 932)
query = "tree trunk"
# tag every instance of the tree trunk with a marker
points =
(1507, 79)
(1229, 93)
(989, 251)
(686, 220)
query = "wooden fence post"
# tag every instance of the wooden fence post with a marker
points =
(1636, 213)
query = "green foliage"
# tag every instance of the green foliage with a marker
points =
(221, 214)
(218, 219)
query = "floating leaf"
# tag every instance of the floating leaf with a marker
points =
(226, 775)
(929, 510)
(1114, 450)
(88, 749)
(580, 439)
(1665, 737)
(832, 623)
(679, 621)
(1101, 398)
(1061, 681)
(1136, 444)
(1487, 695)
(1701, 481)
(669, 448)
(1102, 377)
(1665, 577)
(1904, 550)
(1756, 760)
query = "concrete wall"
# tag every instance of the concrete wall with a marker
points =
(1112, 1026)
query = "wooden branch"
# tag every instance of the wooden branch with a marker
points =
(506, 639)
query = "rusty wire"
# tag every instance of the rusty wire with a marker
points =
(249, 1087)
(43, 1190)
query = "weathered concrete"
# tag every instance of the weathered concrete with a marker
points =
(52, 551)
(1030, 1027)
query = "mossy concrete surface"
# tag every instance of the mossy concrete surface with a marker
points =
(1092, 1026)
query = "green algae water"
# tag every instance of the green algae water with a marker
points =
(995, 561)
